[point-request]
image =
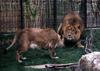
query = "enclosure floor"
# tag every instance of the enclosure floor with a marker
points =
(41, 56)
(35, 57)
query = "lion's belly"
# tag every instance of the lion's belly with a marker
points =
(33, 46)
(38, 45)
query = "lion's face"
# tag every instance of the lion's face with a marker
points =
(71, 32)
(71, 27)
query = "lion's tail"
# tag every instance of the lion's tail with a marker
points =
(59, 28)
(13, 42)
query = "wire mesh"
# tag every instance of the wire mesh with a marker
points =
(40, 13)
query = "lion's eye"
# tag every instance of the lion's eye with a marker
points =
(73, 30)
(79, 27)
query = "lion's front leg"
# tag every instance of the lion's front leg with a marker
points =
(53, 53)
(79, 44)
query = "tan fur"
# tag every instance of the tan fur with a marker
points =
(43, 38)
(71, 28)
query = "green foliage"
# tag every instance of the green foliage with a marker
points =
(29, 10)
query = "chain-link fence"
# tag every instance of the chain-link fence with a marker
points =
(46, 13)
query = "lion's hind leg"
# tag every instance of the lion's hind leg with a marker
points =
(22, 47)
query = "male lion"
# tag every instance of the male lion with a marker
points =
(71, 28)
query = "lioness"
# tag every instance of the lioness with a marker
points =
(71, 28)
(36, 37)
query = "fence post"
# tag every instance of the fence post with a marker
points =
(83, 11)
(21, 25)
(54, 14)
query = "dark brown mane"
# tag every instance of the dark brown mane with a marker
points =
(71, 27)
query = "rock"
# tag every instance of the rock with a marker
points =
(90, 62)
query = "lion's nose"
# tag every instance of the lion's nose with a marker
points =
(69, 35)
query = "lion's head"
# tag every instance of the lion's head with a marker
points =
(71, 27)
